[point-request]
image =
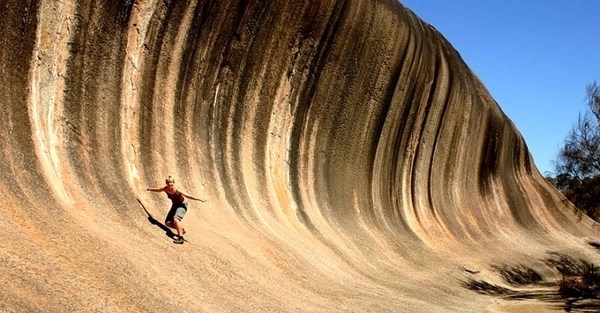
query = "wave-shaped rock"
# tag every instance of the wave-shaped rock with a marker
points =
(350, 160)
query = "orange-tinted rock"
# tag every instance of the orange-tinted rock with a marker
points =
(350, 160)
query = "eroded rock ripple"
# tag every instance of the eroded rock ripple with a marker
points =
(350, 159)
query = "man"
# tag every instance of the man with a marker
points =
(178, 207)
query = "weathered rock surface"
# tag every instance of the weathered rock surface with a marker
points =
(350, 160)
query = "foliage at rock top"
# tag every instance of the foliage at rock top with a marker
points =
(350, 159)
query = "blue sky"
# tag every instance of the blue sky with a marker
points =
(535, 57)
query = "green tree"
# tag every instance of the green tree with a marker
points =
(577, 168)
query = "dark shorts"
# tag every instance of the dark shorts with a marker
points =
(176, 212)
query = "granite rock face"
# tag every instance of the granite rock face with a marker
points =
(349, 158)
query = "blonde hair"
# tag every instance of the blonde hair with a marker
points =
(170, 179)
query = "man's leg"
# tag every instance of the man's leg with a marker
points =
(177, 225)
(170, 224)
(171, 218)
(178, 216)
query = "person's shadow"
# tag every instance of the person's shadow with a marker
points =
(160, 225)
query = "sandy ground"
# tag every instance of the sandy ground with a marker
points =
(349, 159)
